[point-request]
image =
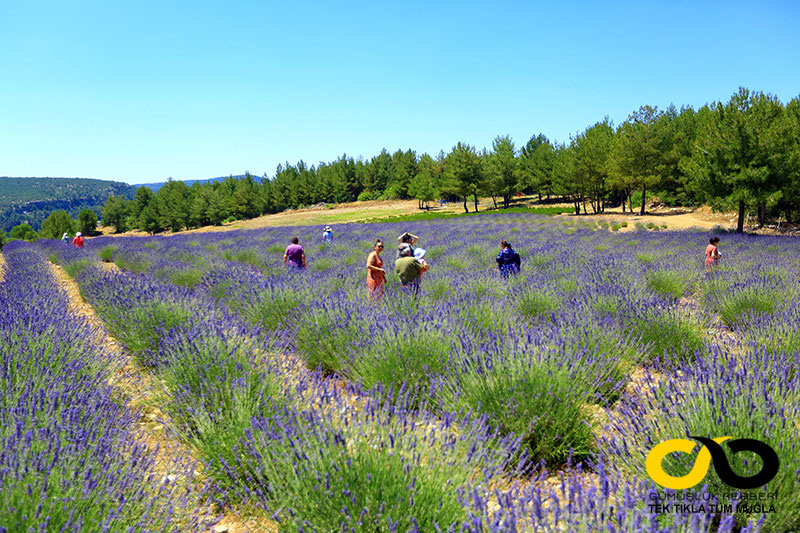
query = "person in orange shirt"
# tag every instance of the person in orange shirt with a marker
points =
(78, 240)
(712, 253)
(376, 275)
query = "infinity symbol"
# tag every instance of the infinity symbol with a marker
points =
(712, 451)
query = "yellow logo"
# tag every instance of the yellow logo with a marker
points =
(711, 451)
(695, 476)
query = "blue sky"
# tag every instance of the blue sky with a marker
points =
(141, 91)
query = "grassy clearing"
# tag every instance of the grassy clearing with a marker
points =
(438, 215)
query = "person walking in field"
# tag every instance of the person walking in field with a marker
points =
(405, 245)
(410, 269)
(376, 274)
(78, 240)
(712, 253)
(65, 238)
(419, 255)
(508, 260)
(295, 256)
(327, 234)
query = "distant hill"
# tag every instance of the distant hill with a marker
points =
(31, 200)
(155, 186)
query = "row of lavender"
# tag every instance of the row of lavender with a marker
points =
(69, 459)
(298, 445)
(529, 354)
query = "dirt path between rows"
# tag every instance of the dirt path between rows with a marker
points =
(139, 389)
(2, 267)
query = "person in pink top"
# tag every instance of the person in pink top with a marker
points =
(294, 255)
(376, 275)
(712, 254)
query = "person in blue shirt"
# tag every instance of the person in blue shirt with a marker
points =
(508, 260)
(327, 234)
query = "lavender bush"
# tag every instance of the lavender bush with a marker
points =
(69, 456)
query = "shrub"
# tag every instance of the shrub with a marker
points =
(668, 283)
(540, 261)
(132, 262)
(272, 309)
(534, 305)
(366, 196)
(531, 399)
(188, 277)
(437, 289)
(397, 358)
(106, 253)
(377, 468)
(605, 305)
(602, 358)
(722, 395)
(324, 338)
(322, 264)
(667, 334)
(76, 267)
(141, 327)
(457, 263)
(746, 303)
(215, 391)
(248, 257)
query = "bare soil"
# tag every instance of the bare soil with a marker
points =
(675, 218)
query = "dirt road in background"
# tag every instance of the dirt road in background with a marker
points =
(676, 218)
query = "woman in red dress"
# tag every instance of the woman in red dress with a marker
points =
(712, 254)
(376, 275)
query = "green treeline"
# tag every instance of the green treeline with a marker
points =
(743, 155)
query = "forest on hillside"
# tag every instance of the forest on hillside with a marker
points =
(31, 200)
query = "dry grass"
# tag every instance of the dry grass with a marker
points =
(674, 218)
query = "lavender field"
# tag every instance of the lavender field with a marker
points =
(483, 404)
